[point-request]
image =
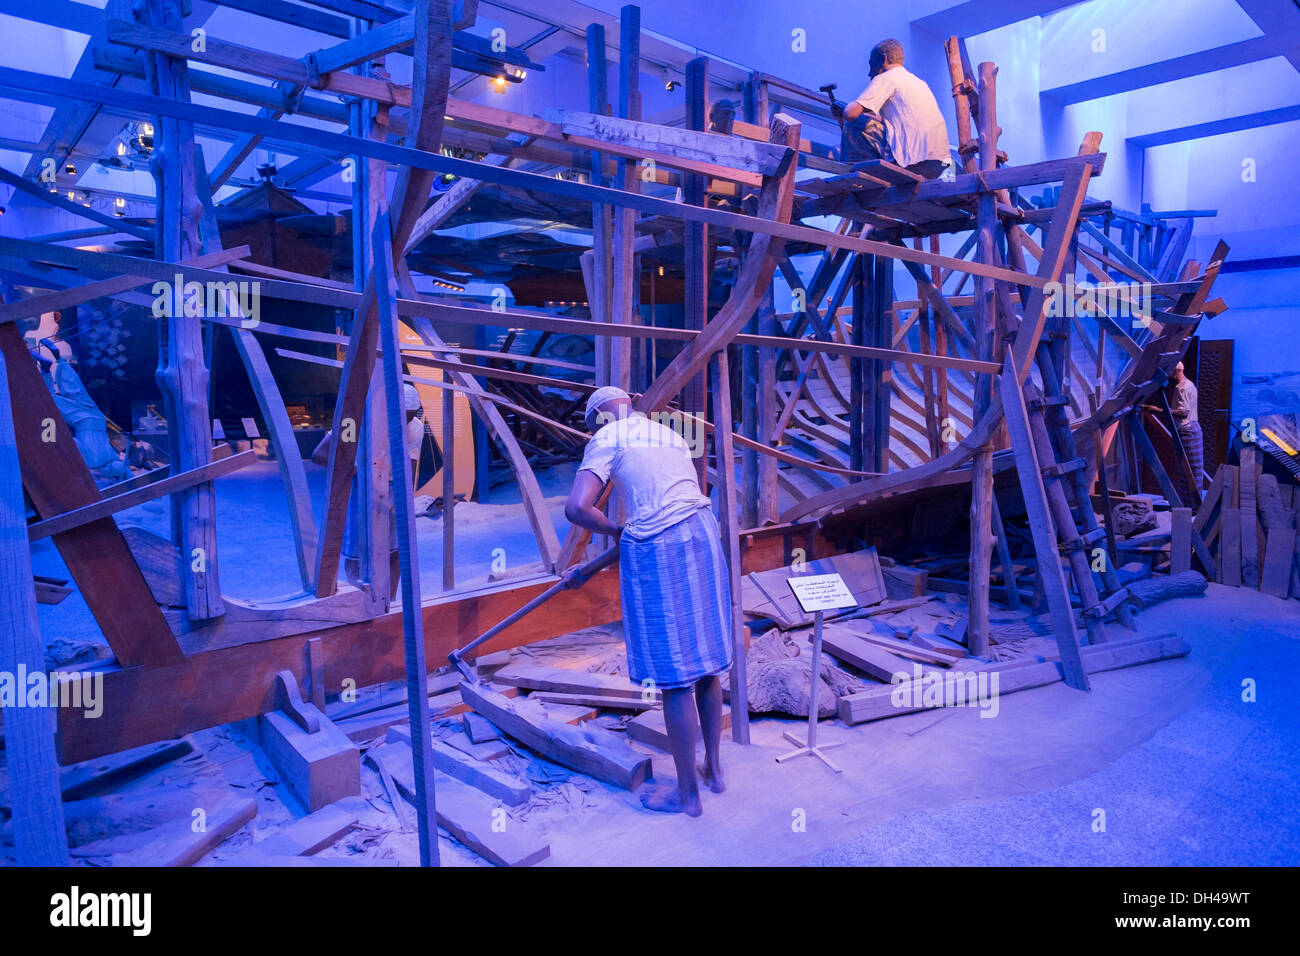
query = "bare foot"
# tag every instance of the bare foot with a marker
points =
(712, 778)
(670, 800)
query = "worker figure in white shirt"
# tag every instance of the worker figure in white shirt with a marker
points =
(1183, 405)
(896, 118)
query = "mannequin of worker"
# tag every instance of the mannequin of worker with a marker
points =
(1182, 403)
(673, 581)
(896, 118)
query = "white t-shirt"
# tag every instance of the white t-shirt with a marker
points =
(913, 123)
(1184, 402)
(650, 465)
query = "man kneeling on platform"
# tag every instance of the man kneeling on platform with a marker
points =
(896, 118)
(673, 580)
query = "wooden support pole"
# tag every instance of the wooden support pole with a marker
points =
(182, 372)
(625, 273)
(600, 286)
(448, 489)
(986, 322)
(34, 797)
(408, 554)
(729, 520)
(1051, 579)
(696, 245)
(371, 498)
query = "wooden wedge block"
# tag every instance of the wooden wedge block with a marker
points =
(319, 768)
(477, 729)
(589, 749)
(473, 818)
(509, 789)
(649, 728)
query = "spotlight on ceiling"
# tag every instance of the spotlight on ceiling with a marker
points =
(671, 85)
(498, 84)
(70, 168)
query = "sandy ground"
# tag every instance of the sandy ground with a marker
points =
(1160, 764)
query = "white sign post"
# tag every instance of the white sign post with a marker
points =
(817, 593)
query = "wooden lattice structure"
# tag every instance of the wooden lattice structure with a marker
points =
(860, 401)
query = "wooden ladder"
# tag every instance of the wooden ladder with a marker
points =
(1061, 519)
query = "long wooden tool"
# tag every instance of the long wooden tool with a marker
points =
(602, 560)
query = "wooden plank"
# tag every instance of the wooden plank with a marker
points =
(1275, 577)
(608, 702)
(897, 647)
(37, 305)
(471, 817)
(97, 776)
(509, 789)
(591, 750)
(649, 728)
(1230, 548)
(1249, 520)
(1210, 502)
(288, 457)
(106, 507)
(309, 835)
(732, 152)
(879, 703)
(176, 843)
(33, 771)
(865, 656)
(564, 681)
(1180, 543)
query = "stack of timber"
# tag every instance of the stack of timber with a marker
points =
(1248, 519)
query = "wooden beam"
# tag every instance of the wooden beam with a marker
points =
(34, 796)
(595, 752)
(702, 147)
(729, 522)
(57, 480)
(38, 305)
(106, 507)
(54, 198)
